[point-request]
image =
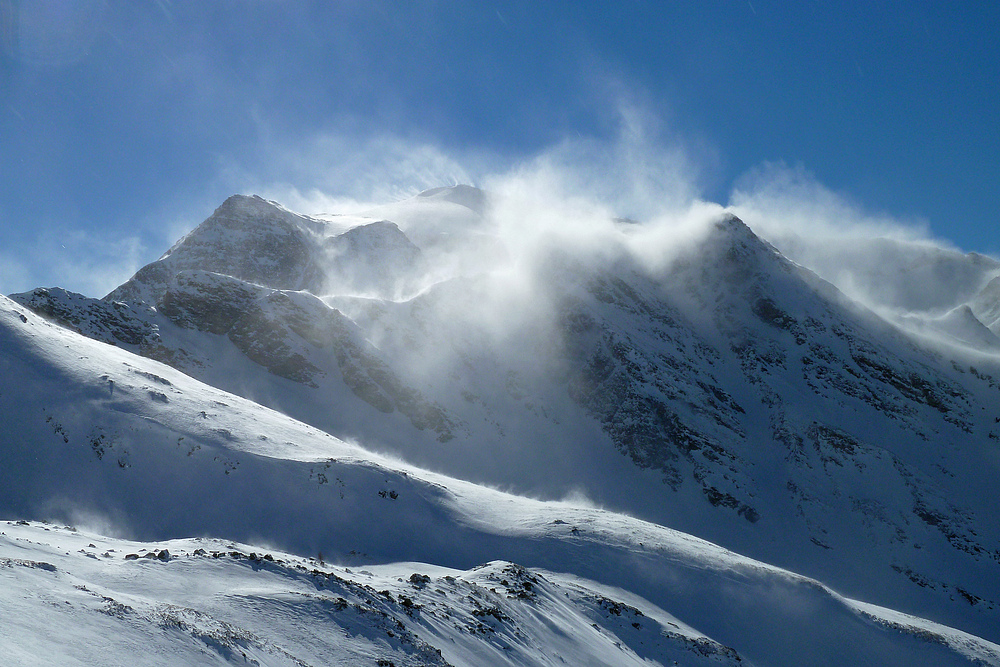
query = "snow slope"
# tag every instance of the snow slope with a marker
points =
(98, 437)
(696, 380)
(717, 388)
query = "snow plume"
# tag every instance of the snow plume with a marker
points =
(578, 194)
(497, 273)
(332, 173)
(633, 195)
(583, 203)
(488, 262)
(891, 264)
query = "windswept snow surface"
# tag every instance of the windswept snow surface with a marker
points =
(119, 445)
(681, 371)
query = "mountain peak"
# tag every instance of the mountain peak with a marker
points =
(247, 237)
(248, 210)
(468, 196)
(739, 249)
(733, 227)
(729, 392)
(242, 200)
(253, 209)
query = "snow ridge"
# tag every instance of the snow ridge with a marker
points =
(727, 392)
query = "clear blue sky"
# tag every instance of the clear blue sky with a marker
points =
(124, 122)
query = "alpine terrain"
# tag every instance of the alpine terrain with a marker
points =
(462, 430)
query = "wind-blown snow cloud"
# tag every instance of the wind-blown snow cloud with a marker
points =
(551, 221)
(570, 194)
(634, 199)
(785, 199)
(580, 197)
(332, 173)
(888, 263)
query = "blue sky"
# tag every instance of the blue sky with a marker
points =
(124, 123)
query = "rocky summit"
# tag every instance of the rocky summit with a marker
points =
(734, 415)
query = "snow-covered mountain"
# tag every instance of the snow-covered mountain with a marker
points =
(429, 567)
(708, 384)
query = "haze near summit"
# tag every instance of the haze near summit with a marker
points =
(125, 125)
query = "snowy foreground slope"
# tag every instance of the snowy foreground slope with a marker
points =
(431, 570)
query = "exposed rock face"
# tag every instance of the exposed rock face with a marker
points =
(742, 379)
(209, 302)
(234, 276)
(256, 241)
(247, 238)
(375, 259)
(113, 322)
(282, 331)
(738, 366)
(657, 405)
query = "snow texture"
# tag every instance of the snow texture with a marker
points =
(265, 381)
